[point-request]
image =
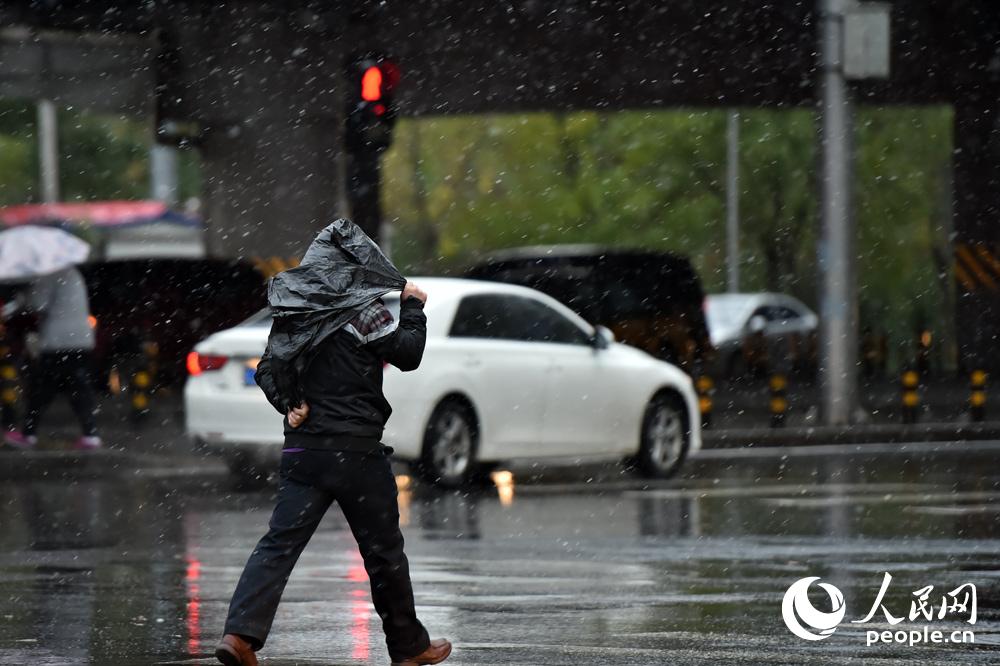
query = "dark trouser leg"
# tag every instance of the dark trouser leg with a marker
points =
(299, 509)
(77, 383)
(369, 504)
(43, 383)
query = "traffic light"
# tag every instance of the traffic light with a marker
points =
(370, 110)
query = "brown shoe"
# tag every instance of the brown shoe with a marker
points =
(438, 651)
(234, 651)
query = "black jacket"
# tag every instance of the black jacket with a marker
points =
(342, 273)
(343, 383)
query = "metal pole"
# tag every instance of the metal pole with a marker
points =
(48, 150)
(733, 202)
(163, 173)
(838, 297)
(364, 192)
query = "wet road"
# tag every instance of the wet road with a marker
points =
(586, 571)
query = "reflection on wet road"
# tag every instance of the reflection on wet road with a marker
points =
(688, 572)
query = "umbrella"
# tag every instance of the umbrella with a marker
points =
(28, 252)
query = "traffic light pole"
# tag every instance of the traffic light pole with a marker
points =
(364, 181)
(371, 78)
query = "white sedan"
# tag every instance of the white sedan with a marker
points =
(509, 374)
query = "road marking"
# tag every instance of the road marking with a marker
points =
(954, 510)
(824, 491)
(951, 447)
(876, 498)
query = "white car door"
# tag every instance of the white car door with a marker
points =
(584, 392)
(507, 374)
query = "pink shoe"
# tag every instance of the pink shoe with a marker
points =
(18, 440)
(88, 443)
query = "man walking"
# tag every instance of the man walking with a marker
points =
(66, 343)
(323, 370)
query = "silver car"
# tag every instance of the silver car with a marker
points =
(738, 323)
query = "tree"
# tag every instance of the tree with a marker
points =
(655, 179)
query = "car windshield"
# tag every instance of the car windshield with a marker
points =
(726, 312)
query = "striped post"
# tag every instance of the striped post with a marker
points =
(778, 402)
(977, 395)
(910, 384)
(141, 386)
(9, 388)
(705, 387)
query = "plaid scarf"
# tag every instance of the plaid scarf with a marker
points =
(373, 322)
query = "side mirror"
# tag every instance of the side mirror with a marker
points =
(603, 337)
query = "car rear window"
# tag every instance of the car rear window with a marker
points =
(726, 312)
(568, 280)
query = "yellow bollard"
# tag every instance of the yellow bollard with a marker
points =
(9, 389)
(140, 386)
(779, 401)
(705, 387)
(910, 382)
(977, 395)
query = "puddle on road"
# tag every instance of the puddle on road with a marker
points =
(115, 574)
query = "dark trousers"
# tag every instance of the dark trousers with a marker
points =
(61, 372)
(365, 488)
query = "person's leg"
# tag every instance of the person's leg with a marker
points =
(77, 382)
(299, 509)
(43, 382)
(366, 493)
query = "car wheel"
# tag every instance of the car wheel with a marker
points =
(450, 443)
(665, 437)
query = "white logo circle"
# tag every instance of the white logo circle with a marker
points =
(797, 610)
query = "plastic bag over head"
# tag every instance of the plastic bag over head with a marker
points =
(342, 272)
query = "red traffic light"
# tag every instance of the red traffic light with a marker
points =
(371, 84)
(371, 113)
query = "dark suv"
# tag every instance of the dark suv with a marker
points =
(651, 300)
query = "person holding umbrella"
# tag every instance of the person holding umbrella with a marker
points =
(46, 259)
(322, 369)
